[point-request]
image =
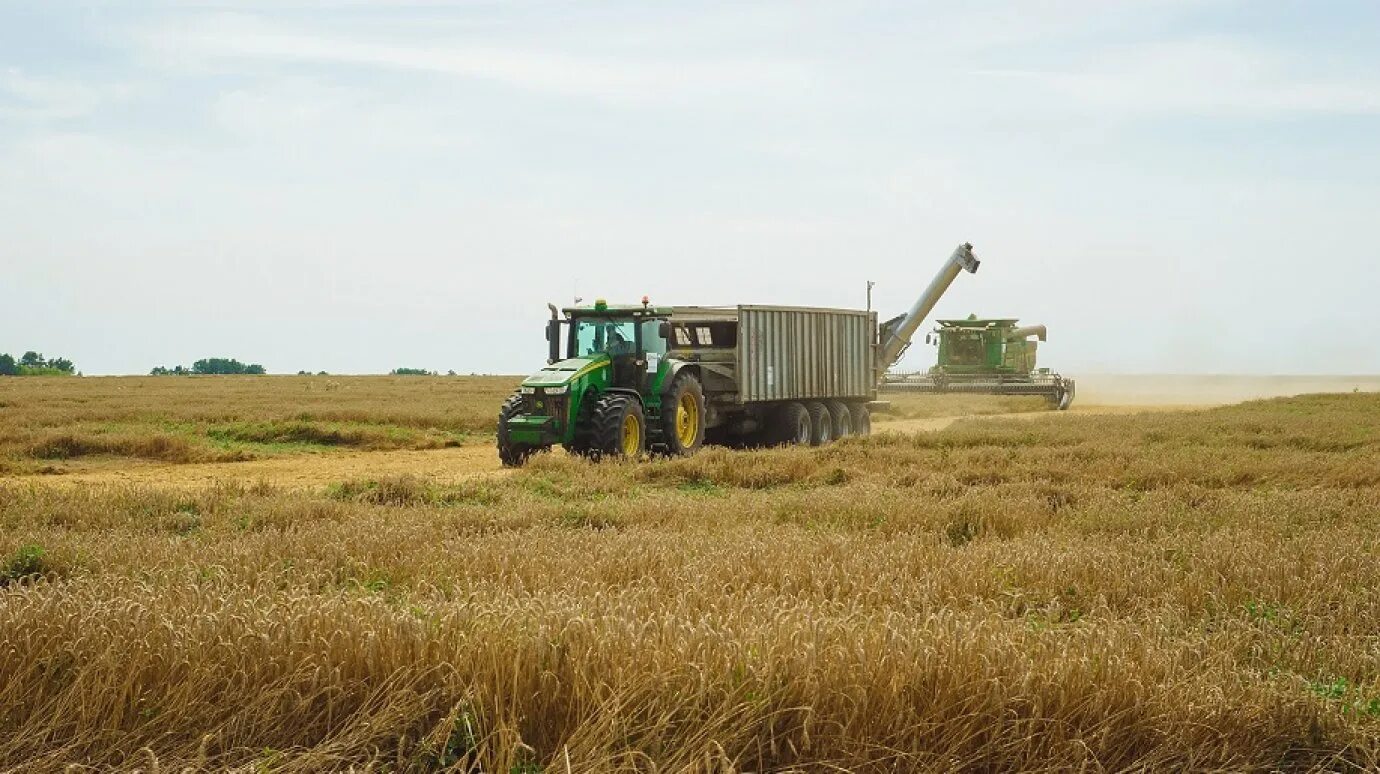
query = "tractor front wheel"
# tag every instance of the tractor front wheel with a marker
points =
(619, 428)
(511, 453)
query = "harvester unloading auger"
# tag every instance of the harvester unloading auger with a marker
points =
(991, 357)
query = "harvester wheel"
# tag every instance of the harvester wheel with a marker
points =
(862, 420)
(511, 453)
(843, 418)
(790, 426)
(821, 424)
(682, 416)
(619, 427)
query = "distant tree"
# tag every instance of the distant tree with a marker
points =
(159, 371)
(225, 365)
(450, 372)
(34, 364)
(322, 373)
(410, 372)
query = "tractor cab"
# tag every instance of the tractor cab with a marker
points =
(630, 339)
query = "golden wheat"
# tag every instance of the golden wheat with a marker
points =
(1188, 591)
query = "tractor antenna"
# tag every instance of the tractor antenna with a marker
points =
(870, 283)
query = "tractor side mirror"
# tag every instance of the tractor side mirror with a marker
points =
(664, 330)
(927, 338)
(553, 341)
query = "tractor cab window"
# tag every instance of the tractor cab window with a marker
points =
(652, 342)
(612, 335)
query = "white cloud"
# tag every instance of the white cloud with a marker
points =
(1202, 76)
(32, 98)
(542, 69)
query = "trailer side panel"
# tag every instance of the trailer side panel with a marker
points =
(794, 353)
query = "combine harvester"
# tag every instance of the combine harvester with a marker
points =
(992, 357)
(624, 380)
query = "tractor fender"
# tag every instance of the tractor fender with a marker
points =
(675, 369)
(623, 391)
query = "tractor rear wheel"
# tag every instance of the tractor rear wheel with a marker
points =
(821, 424)
(682, 416)
(619, 427)
(511, 453)
(790, 426)
(843, 418)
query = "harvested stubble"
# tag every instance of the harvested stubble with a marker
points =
(230, 418)
(910, 405)
(1167, 591)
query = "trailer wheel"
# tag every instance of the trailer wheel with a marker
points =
(791, 426)
(511, 453)
(862, 420)
(682, 416)
(843, 418)
(821, 424)
(620, 427)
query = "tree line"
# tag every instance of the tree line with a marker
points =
(210, 365)
(35, 364)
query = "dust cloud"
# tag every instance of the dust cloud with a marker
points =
(1186, 390)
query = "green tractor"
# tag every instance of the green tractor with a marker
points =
(608, 390)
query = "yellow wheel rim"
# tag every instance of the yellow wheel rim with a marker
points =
(687, 420)
(632, 436)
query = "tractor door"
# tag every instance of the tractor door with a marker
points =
(652, 345)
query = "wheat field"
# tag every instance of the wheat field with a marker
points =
(1175, 590)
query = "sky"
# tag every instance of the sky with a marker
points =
(1184, 187)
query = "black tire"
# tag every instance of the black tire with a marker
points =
(582, 439)
(511, 453)
(790, 426)
(821, 424)
(862, 420)
(612, 413)
(685, 388)
(843, 418)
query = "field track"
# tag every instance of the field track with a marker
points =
(443, 466)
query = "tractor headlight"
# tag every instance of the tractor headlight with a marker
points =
(527, 390)
(563, 389)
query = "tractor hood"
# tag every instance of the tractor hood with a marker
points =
(565, 371)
